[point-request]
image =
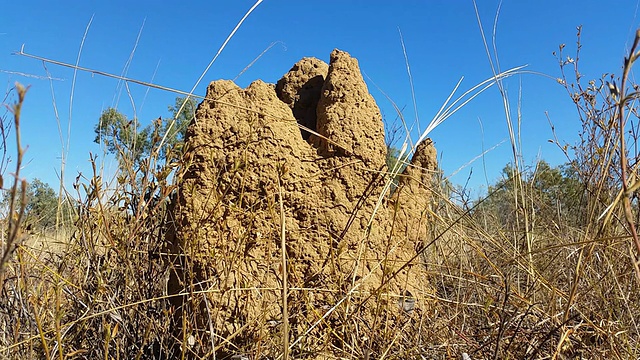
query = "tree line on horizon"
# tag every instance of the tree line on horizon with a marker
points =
(559, 190)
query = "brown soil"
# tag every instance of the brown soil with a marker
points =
(351, 250)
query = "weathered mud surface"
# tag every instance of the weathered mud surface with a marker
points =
(251, 177)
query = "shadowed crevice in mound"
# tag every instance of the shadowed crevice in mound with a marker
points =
(300, 89)
(245, 155)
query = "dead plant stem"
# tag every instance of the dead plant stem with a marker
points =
(283, 249)
(15, 218)
(622, 101)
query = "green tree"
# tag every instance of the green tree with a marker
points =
(177, 131)
(41, 205)
(122, 137)
(146, 156)
(393, 161)
(131, 145)
(393, 158)
(553, 194)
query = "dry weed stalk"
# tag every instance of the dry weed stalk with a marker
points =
(18, 191)
(622, 98)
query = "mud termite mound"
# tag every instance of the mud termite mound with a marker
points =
(252, 176)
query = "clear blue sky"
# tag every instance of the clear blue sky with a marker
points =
(178, 40)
